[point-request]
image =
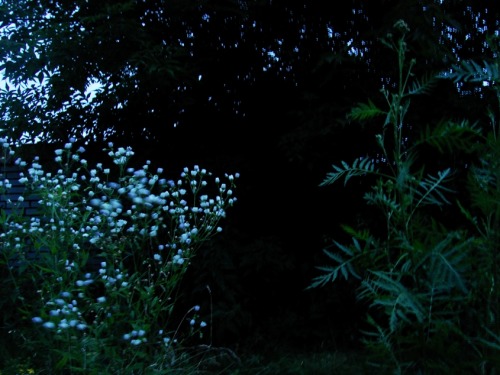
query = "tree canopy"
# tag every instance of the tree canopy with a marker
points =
(159, 64)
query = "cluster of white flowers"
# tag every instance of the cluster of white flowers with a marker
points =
(139, 203)
(135, 213)
(63, 314)
(136, 337)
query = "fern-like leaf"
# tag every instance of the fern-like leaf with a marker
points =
(365, 111)
(378, 197)
(483, 178)
(445, 263)
(472, 71)
(360, 167)
(451, 136)
(422, 87)
(394, 297)
(431, 191)
(360, 234)
(344, 265)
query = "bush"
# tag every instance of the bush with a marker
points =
(94, 277)
(429, 283)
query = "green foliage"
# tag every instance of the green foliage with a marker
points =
(359, 167)
(431, 190)
(472, 71)
(159, 68)
(450, 136)
(418, 274)
(423, 87)
(344, 264)
(365, 111)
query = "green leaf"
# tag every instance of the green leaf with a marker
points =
(431, 192)
(471, 71)
(360, 167)
(451, 136)
(344, 265)
(365, 111)
(378, 197)
(422, 87)
(446, 262)
(363, 235)
(389, 293)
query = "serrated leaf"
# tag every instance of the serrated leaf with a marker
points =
(451, 136)
(345, 249)
(331, 273)
(431, 190)
(360, 167)
(471, 71)
(363, 235)
(334, 256)
(365, 111)
(422, 87)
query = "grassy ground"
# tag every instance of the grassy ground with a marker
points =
(223, 361)
(327, 363)
(305, 364)
(205, 360)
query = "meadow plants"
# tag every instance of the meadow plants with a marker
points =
(94, 277)
(428, 282)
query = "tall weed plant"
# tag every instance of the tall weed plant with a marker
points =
(430, 286)
(91, 283)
